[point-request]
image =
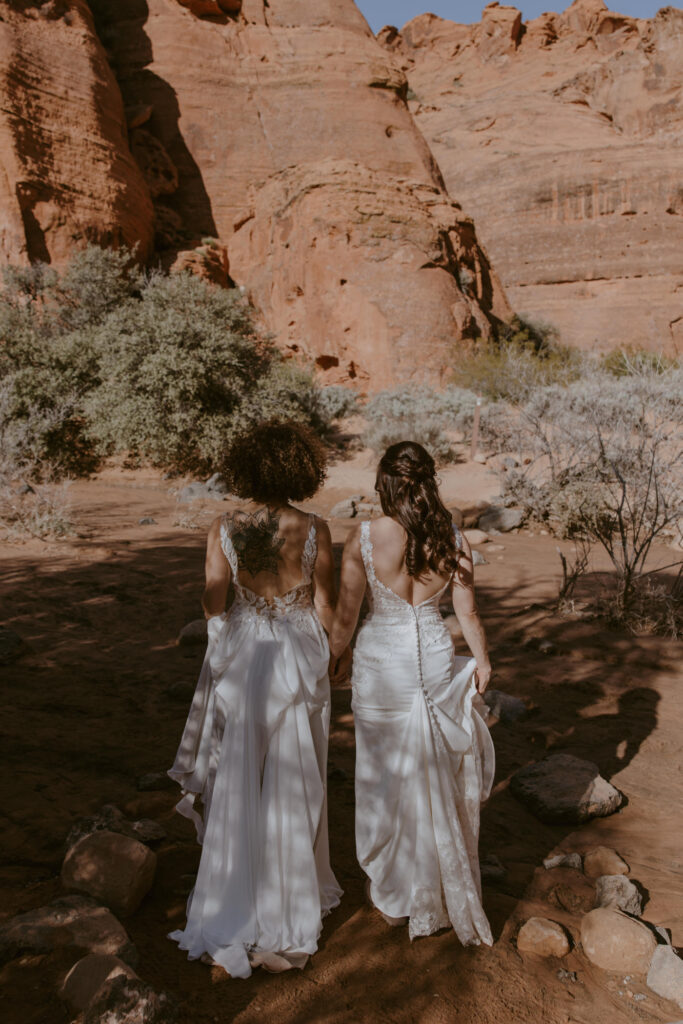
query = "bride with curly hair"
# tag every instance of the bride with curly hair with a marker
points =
(424, 757)
(254, 749)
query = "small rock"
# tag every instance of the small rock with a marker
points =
(77, 922)
(604, 861)
(509, 462)
(665, 976)
(492, 867)
(565, 975)
(547, 647)
(478, 558)
(476, 537)
(563, 860)
(565, 789)
(112, 868)
(343, 510)
(196, 492)
(480, 458)
(153, 781)
(11, 646)
(110, 818)
(182, 691)
(89, 975)
(542, 937)
(505, 707)
(616, 942)
(194, 633)
(502, 519)
(618, 891)
(123, 1000)
(496, 547)
(147, 521)
(218, 485)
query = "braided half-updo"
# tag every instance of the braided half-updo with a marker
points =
(408, 493)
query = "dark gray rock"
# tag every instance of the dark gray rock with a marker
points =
(218, 485)
(11, 646)
(491, 867)
(194, 633)
(565, 789)
(501, 519)
(74, 922)
(147, 521)
(153, 781)
(110, 819)
(505, 707)
(124, 1000)
(618, 891)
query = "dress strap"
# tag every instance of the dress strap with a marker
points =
(366, 551)
(228, 549)
(310, 552)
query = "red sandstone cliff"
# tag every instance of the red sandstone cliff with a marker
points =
(67, 173)
(562, 138)
(281, 129)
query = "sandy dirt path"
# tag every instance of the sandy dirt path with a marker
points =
(92, 705)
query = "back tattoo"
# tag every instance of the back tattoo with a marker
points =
(254, 538)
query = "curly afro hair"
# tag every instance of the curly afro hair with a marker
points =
(276, 462)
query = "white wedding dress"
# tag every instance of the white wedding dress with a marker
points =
(424, 763)
(255, 749)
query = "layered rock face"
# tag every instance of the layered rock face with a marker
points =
(67, 173)
(281, 129)
(562, 138)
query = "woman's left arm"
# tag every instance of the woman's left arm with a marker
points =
(351, 592)
(218, 574)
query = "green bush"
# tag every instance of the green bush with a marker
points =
(417, 413)
(624, 362)
(103, 358)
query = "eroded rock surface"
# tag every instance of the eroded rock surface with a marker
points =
(561, 137)
(68, 176)
(287, 127)
(564, 788)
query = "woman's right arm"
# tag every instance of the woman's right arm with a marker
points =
(465, 608)
(218, 573)
(351, 592)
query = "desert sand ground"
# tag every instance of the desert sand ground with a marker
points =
(91, 706)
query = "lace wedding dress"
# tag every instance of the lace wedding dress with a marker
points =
(255, 749)
(424, 763)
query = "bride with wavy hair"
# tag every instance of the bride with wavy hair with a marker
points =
(424, 757)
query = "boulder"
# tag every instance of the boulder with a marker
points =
(114, 869)
(123, 1000)
(88, 976)
(505, 707)
(618, 891)
(563, 860)
(616, 942)
(565, 789)
(603, 861)
(665, 976)
(501, 519)
(194, 633)
(110, 818)
(476, 537)
(76, 922)
(492, 867)
(348, 508)
(542, 937)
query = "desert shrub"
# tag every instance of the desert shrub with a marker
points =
(334, 402)
(103, 358)
(624, 362)
(604, 463)
(524, 357)
(417, 413)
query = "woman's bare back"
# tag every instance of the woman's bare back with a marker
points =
(388, 552)
(269, 543)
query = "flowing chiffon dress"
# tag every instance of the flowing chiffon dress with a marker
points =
(254, 749)
(424, 763)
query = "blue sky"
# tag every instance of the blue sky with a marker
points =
(398, 12)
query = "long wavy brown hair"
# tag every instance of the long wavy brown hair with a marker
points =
(408, 493)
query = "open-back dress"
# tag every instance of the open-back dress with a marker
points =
(424, 763)
(254, 749)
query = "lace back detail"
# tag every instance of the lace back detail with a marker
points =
(366, 552)
(310, 552)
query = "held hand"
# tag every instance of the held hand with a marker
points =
(482, 676)
(340, 667)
